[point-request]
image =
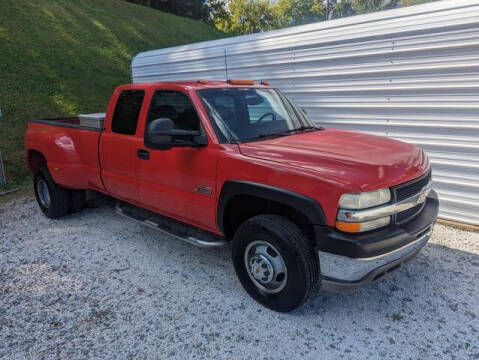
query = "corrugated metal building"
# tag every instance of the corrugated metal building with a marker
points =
(409, 73)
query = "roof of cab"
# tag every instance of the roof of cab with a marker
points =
(199, 84)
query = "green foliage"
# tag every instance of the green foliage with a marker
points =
(297, 12)
(413, 2)
(63, 57)
(363, 6)
(213, 9)
(204, 10)
(342, 9)
(249, 16)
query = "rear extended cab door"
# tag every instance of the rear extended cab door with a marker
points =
(119, 141)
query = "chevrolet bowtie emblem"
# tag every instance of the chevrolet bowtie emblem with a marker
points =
(424, 193)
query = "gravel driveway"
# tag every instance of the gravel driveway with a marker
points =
(95, 285)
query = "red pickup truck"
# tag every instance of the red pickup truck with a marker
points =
(213, 162)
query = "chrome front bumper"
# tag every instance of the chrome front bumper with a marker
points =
(341, 273)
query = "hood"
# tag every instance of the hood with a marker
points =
(358, 161)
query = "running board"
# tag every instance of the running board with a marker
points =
(171, 227)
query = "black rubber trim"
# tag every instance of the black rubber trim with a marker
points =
(378, 242)
(310, 207)
(58, 122)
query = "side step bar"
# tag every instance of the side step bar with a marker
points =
(171, 227)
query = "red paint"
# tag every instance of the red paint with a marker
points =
(320, 164)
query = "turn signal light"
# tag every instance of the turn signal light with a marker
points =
(240, 82)
(352, 227)
(348, 227)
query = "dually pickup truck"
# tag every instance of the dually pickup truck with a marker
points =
(215, 162)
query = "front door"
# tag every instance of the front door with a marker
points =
(179, 182)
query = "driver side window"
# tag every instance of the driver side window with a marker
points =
(175, 106)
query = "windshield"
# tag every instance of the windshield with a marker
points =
(247, 114)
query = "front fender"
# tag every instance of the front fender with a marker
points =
(309, 207)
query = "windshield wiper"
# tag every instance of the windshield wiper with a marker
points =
(265, 135)
(303, 128)
(300, 129)
(282, 133)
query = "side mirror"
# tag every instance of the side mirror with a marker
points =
(162, 135)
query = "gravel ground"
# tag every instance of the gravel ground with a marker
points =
(95, 285)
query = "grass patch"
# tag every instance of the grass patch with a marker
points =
(63, 57)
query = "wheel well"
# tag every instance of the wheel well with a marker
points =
(243, 207)
(35, 160)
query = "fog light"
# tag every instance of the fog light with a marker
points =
(351, 227)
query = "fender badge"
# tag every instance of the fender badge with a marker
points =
(203, 189)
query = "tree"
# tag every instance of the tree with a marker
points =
(204, 10)
(247, 16)
(413, 2)
(212, 10)
(341, 9)
(250, 16)
(297, 12)
(364, 6)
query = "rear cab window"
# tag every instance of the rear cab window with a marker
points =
(127, 111)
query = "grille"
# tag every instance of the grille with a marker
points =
(411, 188)
(408, 214)
(407, 190)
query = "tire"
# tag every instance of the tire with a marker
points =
(58, 203)
(250, 248)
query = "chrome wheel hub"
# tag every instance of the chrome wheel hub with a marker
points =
(43, 193)
(265, 267)
(261, 268)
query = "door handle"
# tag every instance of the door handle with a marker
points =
(143, 154)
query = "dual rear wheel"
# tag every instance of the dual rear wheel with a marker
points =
(54, 200)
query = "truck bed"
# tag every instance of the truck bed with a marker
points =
(71, 150)
(73, 122)
(63, 121)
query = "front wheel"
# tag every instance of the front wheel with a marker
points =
(275, 262)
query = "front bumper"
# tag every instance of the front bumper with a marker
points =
(348, 261)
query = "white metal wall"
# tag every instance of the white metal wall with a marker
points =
(410, 73)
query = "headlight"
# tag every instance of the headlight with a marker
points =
(365, 200)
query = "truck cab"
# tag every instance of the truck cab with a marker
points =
(302, 206)
(140, 169)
